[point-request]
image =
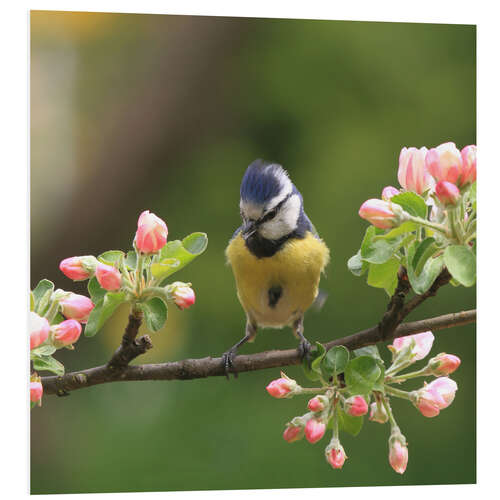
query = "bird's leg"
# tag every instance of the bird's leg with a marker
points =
(304, 345)
(228, 356)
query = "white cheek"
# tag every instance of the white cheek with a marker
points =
(285, 222)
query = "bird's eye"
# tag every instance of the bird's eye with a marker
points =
(271, 214)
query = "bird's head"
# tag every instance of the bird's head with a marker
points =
(270, 205)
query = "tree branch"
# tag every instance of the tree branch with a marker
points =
(210, 367)
(130, 348)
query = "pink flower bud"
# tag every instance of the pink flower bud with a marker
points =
(469, 165)
(108, 277)
(422, 344)
(315, 429)
(293, 433)
(356, 406)
(79, 268)
(280, 387)
(336, 456)
(412, 174)
(378, 413)
(444, 163)
(380, 213)
(388, 192)
(38, 329)
(36, 392)
(318, 403)
(183, 295)
(447, 193)
(151, 235)
(398, 454)
(67, 332)
(436, 396)
(77, 307)
(444, 364)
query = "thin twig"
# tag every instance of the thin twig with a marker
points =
(210, 367)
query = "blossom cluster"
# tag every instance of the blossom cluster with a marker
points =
(150, 239)
(440, 173)
(138, 277)
(341, 402)
(58, 327)
(426, 226)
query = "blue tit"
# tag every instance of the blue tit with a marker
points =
(276, 255)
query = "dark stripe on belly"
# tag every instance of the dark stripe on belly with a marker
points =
(274, 294)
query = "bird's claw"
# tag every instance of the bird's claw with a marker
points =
(305, 350)
(227, 361)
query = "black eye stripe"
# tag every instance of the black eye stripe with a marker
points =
(275, 210)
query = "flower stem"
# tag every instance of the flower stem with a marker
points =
(335, 424)
(139, 274)
(437, 227)
(397, 392)
(307, 390)
(388, 410)
(397, 367)
(405, 376)
(454, 223)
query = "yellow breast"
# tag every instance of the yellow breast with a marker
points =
(296, 268)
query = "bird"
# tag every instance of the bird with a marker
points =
(276, 256)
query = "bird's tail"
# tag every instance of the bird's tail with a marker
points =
(319, 301)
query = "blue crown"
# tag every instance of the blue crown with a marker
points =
(261, 182)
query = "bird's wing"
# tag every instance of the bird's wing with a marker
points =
(310, 226)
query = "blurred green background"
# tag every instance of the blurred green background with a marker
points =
(135, 112)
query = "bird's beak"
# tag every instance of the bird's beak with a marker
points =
(248, 229)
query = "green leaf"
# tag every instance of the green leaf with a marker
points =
(422, 253)
(347, 423)
(361, 373)
(378, 251)
(42, 350)
(318, 358)
(356, 265)
(42, 294)
(369, 350)
(195, 243)
(184, 251)
(111, 257)
(48, 363)
(335, 360)
(406, 227)
(32, 302)
(461, 264)
(430, 271)
(311, 369)
(412, 203)
(96, 292)
(102, 311)
(131, 260)
(379, 383)
(165, 268)
(92, 326)
(155, 313)
(384, 275)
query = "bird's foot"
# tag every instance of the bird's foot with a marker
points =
(227, 362)
(304, 349)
